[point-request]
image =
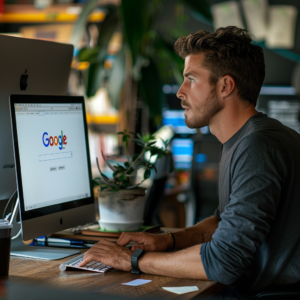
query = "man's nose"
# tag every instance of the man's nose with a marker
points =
(179, 93)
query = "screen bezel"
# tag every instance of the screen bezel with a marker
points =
(48, 210)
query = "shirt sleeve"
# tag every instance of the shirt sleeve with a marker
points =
(245, 222)
(217, 214)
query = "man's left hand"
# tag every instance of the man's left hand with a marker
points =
(110, 254)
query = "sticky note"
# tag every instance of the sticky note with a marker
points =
(181, 289)
(137, 282)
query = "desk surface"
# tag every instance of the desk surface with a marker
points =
(47, 273)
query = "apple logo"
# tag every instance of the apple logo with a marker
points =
(61, 221)
(23, 81)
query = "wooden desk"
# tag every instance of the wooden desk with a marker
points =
(47, 273)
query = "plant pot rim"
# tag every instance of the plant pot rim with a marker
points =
(135, 191)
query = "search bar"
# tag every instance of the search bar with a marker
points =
(50, 108)
(55, 156)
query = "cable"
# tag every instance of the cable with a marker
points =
(16, 236)
(10, 199)
(14, 203)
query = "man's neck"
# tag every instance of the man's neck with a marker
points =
(230, 120)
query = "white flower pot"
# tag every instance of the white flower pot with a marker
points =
(122, 210)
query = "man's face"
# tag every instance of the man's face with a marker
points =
(198, 97)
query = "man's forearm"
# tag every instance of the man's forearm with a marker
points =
(197, 234)
(182, 264)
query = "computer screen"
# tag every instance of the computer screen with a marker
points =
(53, 154)
(52, 163)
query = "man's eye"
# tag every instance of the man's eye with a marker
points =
(191, 79)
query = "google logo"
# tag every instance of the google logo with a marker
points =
(61, 140)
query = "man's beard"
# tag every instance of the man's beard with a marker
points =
(203, 113)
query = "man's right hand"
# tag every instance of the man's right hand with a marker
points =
(147, 241)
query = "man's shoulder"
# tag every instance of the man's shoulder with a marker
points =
(267, 133)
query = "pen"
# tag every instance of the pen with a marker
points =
(59, 241)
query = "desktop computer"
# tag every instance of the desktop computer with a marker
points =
(40, 67)
(27, 67)
(53, 169)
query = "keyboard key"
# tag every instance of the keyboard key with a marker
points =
(94, 266)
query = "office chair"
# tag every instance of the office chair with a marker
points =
(203, 192)
(164, 166)
(284, 292)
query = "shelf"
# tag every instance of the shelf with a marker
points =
(102, 120)
(55, 13)
(107, 124)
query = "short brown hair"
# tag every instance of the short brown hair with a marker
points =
(228, 51)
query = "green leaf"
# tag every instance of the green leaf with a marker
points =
(119, 167)
(139, 136)
(151, 143)
(96, 182)
(116, 78)
(151, 90)
(135, 20)
(95, 78)
(97, 73)
(138, 141)
(103, 187)
(153, 167)
(115, 188)
(122, 178)
(117, 173)
(80, 24)
(131, 170)
(88, 54)
(126, 164)
(120, 132)
(147, 174)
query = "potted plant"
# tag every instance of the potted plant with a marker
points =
(121, 199)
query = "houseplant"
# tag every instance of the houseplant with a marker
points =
(146, 58)
(121, 200)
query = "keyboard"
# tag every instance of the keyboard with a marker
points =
(93, 266)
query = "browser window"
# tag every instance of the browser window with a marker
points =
(53, 153)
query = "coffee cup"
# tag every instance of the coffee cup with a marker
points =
(5, 238)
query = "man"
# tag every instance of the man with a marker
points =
(252, 241)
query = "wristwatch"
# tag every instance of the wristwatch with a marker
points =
(134, 260)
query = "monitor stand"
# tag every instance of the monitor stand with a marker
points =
(18, 248)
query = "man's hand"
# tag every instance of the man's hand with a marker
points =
(146, 241)
(110, 254)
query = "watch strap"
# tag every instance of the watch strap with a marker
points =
(134, 261)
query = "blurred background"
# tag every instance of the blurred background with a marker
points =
(125, 66)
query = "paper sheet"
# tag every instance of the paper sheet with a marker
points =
(137, 282)
(181, 289)
(226, 14)
(255, 12)
(281, 32)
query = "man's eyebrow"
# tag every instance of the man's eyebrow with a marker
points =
(189, 74)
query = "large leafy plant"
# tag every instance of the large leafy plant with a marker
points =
(124, 174)
(145, 60)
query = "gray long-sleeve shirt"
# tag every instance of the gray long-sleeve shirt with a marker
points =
(257, 242)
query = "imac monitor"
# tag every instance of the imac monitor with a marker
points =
(27, 67)
(52, 163)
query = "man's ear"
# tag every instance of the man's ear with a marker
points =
(227, 86)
